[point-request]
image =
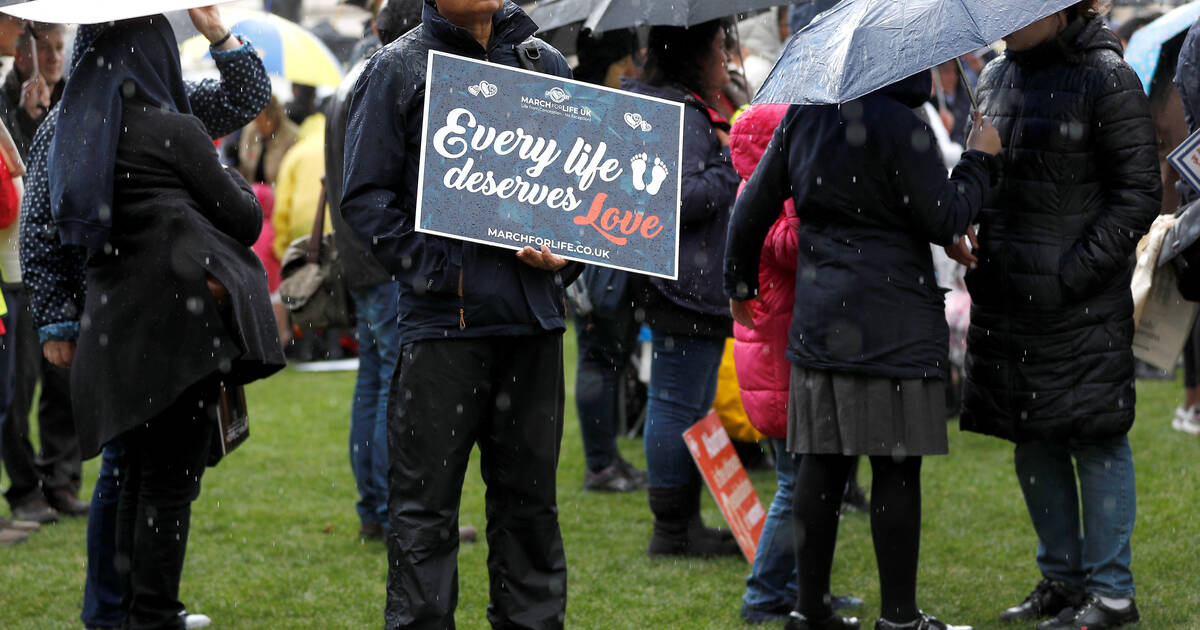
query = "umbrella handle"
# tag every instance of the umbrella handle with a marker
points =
(962, 76)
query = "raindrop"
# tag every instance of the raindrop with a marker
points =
(195, 305)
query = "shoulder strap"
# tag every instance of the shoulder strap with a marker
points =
(530, 56)
(314, 241)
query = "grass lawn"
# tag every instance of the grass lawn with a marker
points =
(274, 535)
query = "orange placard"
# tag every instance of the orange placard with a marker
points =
(726, 478)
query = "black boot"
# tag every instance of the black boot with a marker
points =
(678, 530)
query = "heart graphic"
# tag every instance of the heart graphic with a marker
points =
(487, 89)
(646, 126)
(633, 120)
(474, 90)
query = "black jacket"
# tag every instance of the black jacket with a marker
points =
(694, 304)
(359, 267)
(871, 192)
(448, 288)
(1049, 347)
(150, 327)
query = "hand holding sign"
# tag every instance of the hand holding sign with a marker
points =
(543, 259)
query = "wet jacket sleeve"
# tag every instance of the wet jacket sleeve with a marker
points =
(941, 209)
(1127, 152)
(376, 165)
(227, 104)
(708, 181)
(755, 211)
(224, 196)
(52, 272)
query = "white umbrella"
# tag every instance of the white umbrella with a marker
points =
(96, 11)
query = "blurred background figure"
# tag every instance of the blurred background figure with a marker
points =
(44, 482)
(688, 318)
(607, 333)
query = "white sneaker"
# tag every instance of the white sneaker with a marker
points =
(1182, 415)
(191, 621)
(1190, 424)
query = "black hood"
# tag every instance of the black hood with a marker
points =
(912, 92)
(1072, 44)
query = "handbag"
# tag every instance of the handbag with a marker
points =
(312, 287)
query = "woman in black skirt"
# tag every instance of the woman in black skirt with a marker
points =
(868, 340)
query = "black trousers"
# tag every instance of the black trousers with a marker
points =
(506, 395)
(158, 474)
(58, 465)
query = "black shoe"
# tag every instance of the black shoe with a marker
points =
(797, 621)
(678, 530)
(67, 504)
(922, 622)
(1047, 599)
(35, 509)
(1093, 615)
(637, 475)
(610, 479)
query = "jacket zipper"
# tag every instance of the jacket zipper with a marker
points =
(462, 303)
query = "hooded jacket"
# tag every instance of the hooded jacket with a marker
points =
(448, 288)
(871, 193)
(1049, 346)
(694, 304)
(759, 354)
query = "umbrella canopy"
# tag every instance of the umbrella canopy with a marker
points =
(95, 11)
(287, 49)
(859, 46)
(1146, 44)
(608, 15)
(552, 14)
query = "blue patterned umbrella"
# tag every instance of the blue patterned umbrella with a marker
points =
(1146, 44)
(859, 46)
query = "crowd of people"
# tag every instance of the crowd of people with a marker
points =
(822, 239)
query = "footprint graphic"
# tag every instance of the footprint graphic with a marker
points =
(638, 164)
(657, 176)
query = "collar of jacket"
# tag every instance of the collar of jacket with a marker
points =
(1071, 45)
(510, 26)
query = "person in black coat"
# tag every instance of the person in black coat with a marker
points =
(868, 339)
(175, 304)
(688, 317)
(480, 343)
(1049, 359)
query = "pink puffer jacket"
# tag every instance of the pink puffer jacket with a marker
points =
(759, 355)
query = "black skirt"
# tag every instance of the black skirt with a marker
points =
(833, 413)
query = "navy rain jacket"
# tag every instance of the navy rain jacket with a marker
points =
(448, 288)
(872, 194)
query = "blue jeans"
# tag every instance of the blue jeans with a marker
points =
(1096, 552)
(378, 349)
(771, 585)
(683, 383)
(102, 588)
(605, 344)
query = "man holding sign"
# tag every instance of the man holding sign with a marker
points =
(481, 342)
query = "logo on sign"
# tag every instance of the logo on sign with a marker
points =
(488, 90)
(557, 94)
(635, 122)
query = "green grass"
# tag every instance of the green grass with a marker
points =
(274, 541)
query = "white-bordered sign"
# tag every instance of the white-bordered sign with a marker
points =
(515, 158)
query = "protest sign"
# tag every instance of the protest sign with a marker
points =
(1185, 159)
(726, 477)
(516, 158)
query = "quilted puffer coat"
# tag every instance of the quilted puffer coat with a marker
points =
(760, 355)
(1049, 347)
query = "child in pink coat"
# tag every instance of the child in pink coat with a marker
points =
(763, 372)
